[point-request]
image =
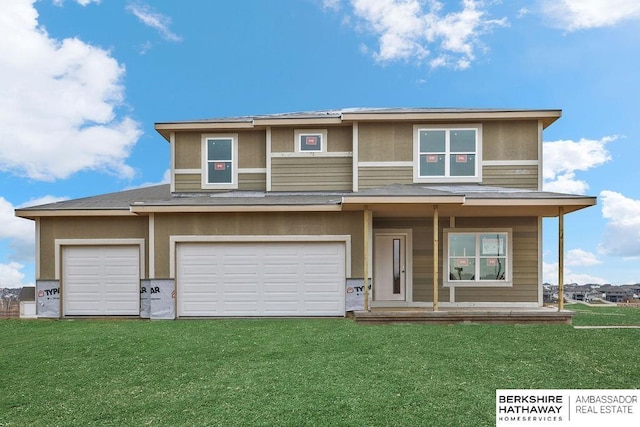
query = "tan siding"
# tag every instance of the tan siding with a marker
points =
(525, 262)
(510, 140)
(86, 228)
(385, 142)
(422, 254)
(311, 173)
(188, 182)
(511, 176)
(339, 139)
(188, 148)
(276, 223)
(376, 176)
(282, 140)
(252, 149)
(252, 181)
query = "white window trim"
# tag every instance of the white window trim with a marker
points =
(205, 184)
(508, 282)
(298, 133)
(453, 179)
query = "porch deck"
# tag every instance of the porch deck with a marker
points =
(540, 315)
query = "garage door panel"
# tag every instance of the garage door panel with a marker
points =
(101, 280)
(261, 279)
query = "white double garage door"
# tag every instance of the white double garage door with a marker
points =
(213, 279)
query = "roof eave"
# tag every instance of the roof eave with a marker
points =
(38, 213)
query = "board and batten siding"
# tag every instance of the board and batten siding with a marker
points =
(422, 253)
(314, 173)
(258, 224)
(52, 228)
(385, 142)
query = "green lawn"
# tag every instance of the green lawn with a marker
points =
(292, 372)
(604, 315)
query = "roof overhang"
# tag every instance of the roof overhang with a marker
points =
(38, 213)
(461, 206)
(546, 116)
(347, 116)
(147, 209)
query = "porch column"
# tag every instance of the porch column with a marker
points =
(365, 267)
(560, 258)
(435, 257)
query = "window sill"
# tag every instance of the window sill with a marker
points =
(483, 284)
(448, 180)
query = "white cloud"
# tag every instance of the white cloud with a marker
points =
(622, 231)
(414, 30)
(166, 179)
(562, 158)
(550, 275)
(573, 15)
(58, 116)
(11, 276)
(154, 20)
(331, 4)
(19, 232)
(80, 2)
(579, 257)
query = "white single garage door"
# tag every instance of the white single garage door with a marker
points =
(101, 280)
(261, 279)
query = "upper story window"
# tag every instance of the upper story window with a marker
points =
(220, 164)
(447, 153)
(478, 257)
(311, 140)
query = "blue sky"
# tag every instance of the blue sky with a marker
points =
(83, 81)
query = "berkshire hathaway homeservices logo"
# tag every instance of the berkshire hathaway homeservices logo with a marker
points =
(567, 407)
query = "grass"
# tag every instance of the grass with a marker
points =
(604, 315)
(292, 372)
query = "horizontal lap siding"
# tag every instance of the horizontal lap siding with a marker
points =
(525, 259)
(252, 181)
(377, 176)
(192, 182)
(525, 262)
(511, 176)
(311, 173)
(422, 254)
(188, 182)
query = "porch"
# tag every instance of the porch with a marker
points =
(538, 315)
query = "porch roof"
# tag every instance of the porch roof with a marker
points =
(463, 200)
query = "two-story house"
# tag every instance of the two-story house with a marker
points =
(273, 215)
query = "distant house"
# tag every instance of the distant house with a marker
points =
(274, 215)
(616, 293)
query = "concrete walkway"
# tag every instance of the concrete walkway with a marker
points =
(608, 327)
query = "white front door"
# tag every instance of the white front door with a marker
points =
(389, 267)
